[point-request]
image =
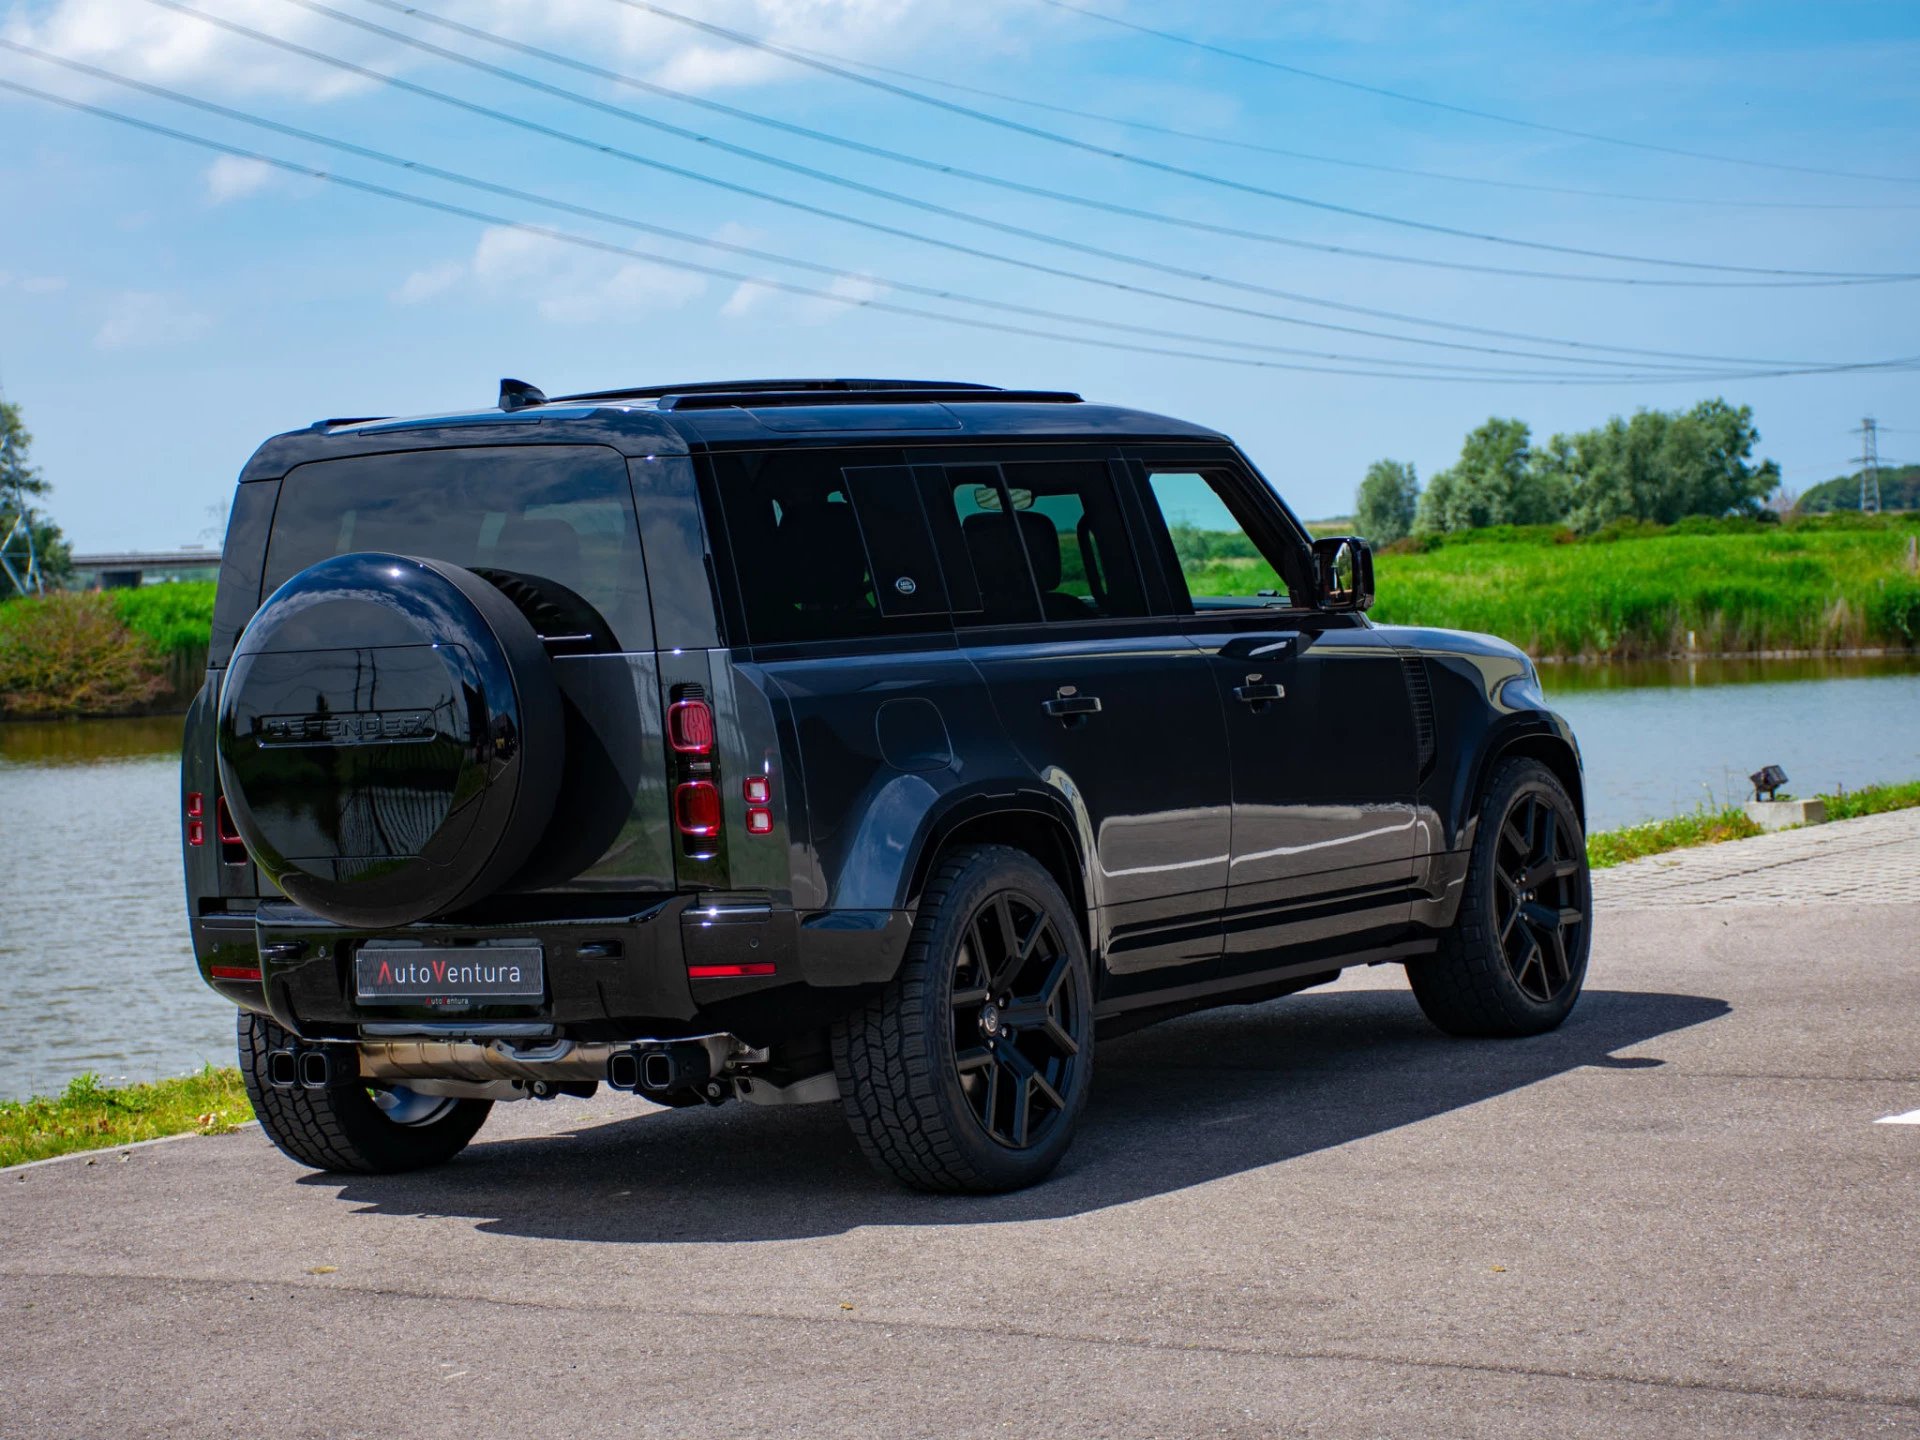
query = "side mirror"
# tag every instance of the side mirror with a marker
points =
(1343, 570)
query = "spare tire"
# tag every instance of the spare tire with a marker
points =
(390, 737)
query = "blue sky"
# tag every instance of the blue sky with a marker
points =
(162, 310)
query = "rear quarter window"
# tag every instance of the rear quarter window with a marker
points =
(828, 546)
(558, 513)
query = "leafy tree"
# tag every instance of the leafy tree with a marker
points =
(1384, 507)
(19, 477)
(1665, 465)
(1498, 480)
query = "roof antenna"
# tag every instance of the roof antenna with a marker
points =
(518, 394)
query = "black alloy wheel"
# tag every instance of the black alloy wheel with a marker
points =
(1514, 960)
(1538, 899)
(967, 1073)
(1014, 1020)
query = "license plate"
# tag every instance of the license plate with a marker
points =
(454, 977)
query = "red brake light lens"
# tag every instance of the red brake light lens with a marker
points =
(196, 804)
(235, 972)
(223, 823)
(758, 789)
(759, 820)
(690, 727)
(196, 832)
(696, 807)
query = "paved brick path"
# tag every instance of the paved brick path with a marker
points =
(1873, 860)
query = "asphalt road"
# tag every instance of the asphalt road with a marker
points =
(1675, 1217)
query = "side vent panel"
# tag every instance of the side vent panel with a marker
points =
(1420, 696)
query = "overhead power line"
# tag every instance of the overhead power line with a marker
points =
(1245, 187)
(938, 167)
(1401, 95)
(741, 277)
(686, 237)
(704, 177)
(1255, 147)
(755, 252)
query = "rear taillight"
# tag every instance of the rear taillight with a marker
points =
(235, 972)
(233, 849)
(696, 808)
(690, 727)
(196, 807)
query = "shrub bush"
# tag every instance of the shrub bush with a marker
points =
(72, 655)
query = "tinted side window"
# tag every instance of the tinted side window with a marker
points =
(1048, 535)
(556, 513)
(1211, 531)
(827, 551)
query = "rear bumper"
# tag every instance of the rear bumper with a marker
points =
(672, 967)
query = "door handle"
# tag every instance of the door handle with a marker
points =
(1071, 707)
(1259, 694)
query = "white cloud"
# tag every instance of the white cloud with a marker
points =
(434, 280)
(229, 177)
(33, 284)
(170, 48)
(747, 297)
(142, 319)
(564, 285)
(766, 305)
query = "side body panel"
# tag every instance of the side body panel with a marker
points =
(1146, 780)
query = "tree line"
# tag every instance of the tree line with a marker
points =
(1657, 465)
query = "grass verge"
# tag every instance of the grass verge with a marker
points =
(91, 1116)
(1710, 827)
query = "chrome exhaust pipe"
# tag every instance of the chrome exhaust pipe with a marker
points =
(623, 1070)
(316, 1069)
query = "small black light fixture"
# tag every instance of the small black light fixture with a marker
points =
(1766, 780)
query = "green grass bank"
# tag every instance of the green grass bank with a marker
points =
(116, 652)
(1818, 584)
(89, 1116)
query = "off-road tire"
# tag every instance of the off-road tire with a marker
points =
(898, 1057)
(1469, 986)
(340, 1128)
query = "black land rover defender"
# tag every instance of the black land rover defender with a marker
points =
(869, 741)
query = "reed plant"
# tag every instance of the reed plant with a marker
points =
(1700, 587)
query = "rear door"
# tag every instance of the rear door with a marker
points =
(1112, 706)
(1318, 718)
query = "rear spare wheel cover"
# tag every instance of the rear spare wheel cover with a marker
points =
(390, 739)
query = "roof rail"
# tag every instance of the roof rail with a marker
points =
(919, 395)
(752, 387)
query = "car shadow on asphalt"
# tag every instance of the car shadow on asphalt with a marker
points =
(1183, 1103)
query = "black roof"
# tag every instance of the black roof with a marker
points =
(762, 414)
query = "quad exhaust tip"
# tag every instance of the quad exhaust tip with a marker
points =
(660, 1069)
(316, 1069)
(299, 1069)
